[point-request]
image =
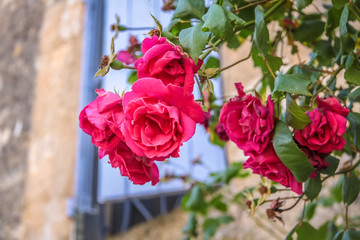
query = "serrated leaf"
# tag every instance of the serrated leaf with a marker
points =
(292, 83)
(334, 163)
(216, 21)
(294, 114)
(261, 34)
(234, 19)
(194, 40)
(350, 189)
(290, 154)
(338, 4)
(332, 20)
(274, 62)
(313, 187)
(196, 200)
(212, 62)
(187, 9)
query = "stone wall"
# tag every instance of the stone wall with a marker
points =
(40, 64)
(19, 33)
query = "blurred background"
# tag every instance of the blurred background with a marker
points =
(52, 185)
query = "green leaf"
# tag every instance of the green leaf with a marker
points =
(305, 230)
(132, 77)
(226, 175)
(291, 233)
(301, 4)
(294, 114)
(212, 62)
(274, 62)
(194, 40)
(261, 34)
(292, 83)
(339, 4)
(354, 119)
(191, 226)
(338, 235)
(309, 30)
(218, 203)
(210, 225)
(313, 187)
(351, 234)
(336, 191)
(216, 21)
(196, 200)
(346, 42)
(350, 189)
(234, 19)
(290, 154)
(186, 9)
(354, 95)
(334, 163)
(352, 74)
(332, 20)
(309, 211)
(157, 22)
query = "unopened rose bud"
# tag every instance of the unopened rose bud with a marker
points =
(117, 65)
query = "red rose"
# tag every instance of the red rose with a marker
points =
(101, 119)
(220, 132)
(158, 118)
(139, 170)
(125, 57)
(247, 122)
(328, 124)
(269, 165)
(167, 62)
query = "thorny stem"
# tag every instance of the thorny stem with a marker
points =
(346, 217)
(249, 5)
(333, 77)
(344, 171)
(231, 65)
(297, 201)
(269, 68)
(283, 198)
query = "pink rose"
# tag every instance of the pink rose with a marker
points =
(167, 62)
(101, 119)
(247, 122)
(159, 118)
(125, 57)
(269, 165)
(139, 170)
(328, 124)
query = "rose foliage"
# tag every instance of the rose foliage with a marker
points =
(298, 127)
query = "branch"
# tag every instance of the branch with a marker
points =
(231, 65)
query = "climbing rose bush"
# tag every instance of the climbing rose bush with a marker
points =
(294, 126)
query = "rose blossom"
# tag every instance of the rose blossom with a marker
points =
(269, 165)
(139, 170)
(220, 132)
(247, 122)
(125, 57)
(101, 119)
(328, 124)
(169, 63)
(158, 118)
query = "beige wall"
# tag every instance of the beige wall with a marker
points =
(51, 157)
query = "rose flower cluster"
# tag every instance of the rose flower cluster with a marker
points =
(250, 125)
(150, 122)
